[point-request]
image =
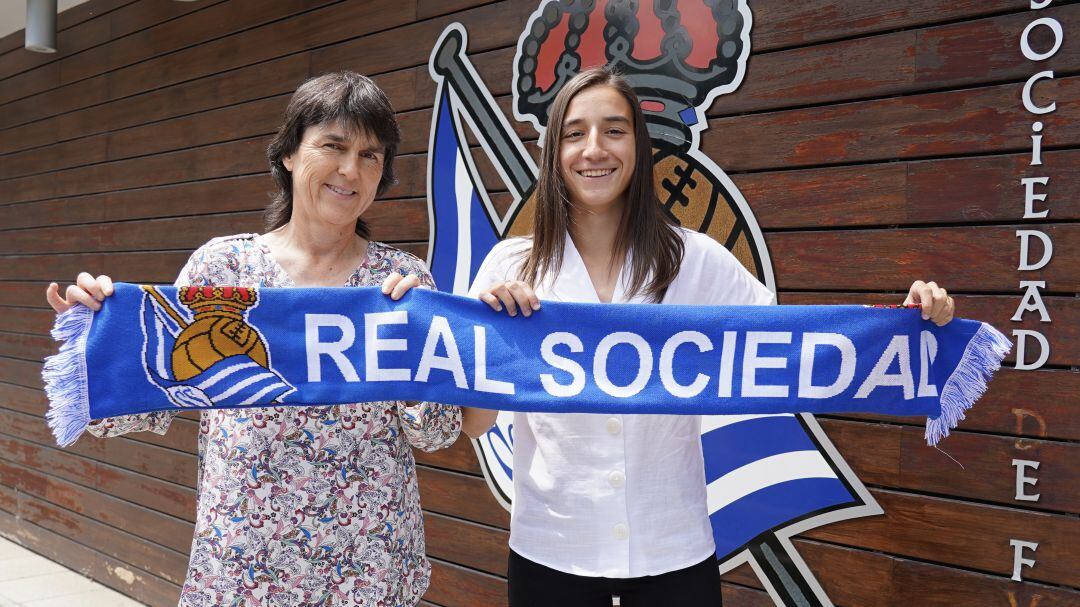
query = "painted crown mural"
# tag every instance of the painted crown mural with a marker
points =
(769, 477)
(677, 57)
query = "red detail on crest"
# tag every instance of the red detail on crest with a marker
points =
(652, 106)
(550, 52)
(649, 36)
(577, 35)
(591, 49)
(199, 298)
(698, 20)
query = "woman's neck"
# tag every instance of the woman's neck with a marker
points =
(595, 231)
(317, 241)
(595, 235)
(316, 255)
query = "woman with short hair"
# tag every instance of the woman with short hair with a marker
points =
(305, 506)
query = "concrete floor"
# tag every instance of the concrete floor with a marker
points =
(30, 580)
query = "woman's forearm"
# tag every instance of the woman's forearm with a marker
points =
(475, 422)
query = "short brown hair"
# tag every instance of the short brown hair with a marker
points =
(344, 98)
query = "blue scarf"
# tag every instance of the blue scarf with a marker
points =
(166, 348)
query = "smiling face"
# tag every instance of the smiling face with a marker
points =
(335, 174)
(596, 149)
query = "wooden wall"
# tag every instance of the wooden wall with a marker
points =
(875, 141)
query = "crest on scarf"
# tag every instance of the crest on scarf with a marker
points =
(208, 355)
(769, 477)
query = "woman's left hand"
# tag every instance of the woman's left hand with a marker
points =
(936, 304)
(396, 285)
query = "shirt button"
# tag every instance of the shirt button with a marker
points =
(616, 478)
(614, 426)
(620, 531)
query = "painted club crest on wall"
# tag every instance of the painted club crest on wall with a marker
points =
(769, 476)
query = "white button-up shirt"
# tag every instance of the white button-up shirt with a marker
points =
(616, 495)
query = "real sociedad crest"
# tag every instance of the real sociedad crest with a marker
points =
(213, 357)
(769, 477)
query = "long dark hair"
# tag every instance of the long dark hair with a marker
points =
(645, 231)
(344, 98)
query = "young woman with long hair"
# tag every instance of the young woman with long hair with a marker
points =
(612, 505)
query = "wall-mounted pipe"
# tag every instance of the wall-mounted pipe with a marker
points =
(41, 26)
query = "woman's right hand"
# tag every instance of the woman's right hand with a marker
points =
(87, 290)
(513, 295)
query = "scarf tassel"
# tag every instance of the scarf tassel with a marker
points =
(982, 357)
(65, 376)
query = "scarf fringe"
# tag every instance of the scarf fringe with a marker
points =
(982, 358)
(65, 376)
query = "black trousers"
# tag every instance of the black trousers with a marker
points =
(534, 585)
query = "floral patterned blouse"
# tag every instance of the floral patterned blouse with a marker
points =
(305, 506)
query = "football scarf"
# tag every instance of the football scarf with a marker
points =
(168, 348)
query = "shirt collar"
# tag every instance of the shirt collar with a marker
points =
(574, 284)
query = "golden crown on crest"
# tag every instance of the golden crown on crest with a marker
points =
(203, 300)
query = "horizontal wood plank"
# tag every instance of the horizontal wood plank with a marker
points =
(26, 346)
(141, 267)
(466, 543)
(156, 527)
(853, 259)
(389, 219)
(20, 372)
(115, 574)
(152, 493)
(248, 193)
(245, 120)
(460, 457)
(182, 435)
(893, 259)
(889, 581)
(166, 464)
(894, 193)
(953, 55)
(28, 320)
(212, 92)
(139, 554)
(22, 399)
(261, 43)
(778, 23)
(126, 35)
(1023, 404)
(456, 586)
(28, 294)
(12, 45)
(1061, 331)
(898, 457)
(884, 580)
(913, 192)
(962, 122)
(461, 496)
(834, 69)
(214, 161)
(962, 534)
